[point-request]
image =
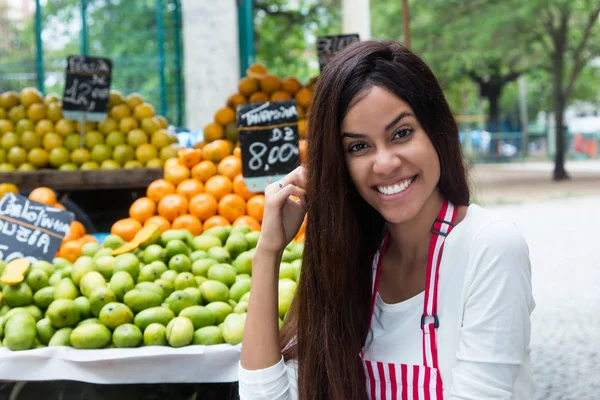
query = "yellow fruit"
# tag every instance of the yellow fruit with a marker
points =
(107, 125)
(90, 165)
(16, 156)
(72, 142)
(68, 167)
(257, 70)
(26, 167)
(30, 140)
(54, 112)
(110, 164)
(143, 110)
(58, 156)
(133, 100)
(145, 153)
(248, 86)
(154, 163)
(224, 116)
(30, 96)
(8, 188)
(150, 125)
(44, 126)
(168, 152)
(212, 132)
(137, 137)
(133, 164)
(36, 112)
(17, 113)
(303, 97)
(6, 167)
(9, 99)
(51, 98)
(2, 155)
(115, 138)
(128, 124)
(160, 139)
(64, 127)
(38, 157)
(115, 98)
(101, 152)
(123, 153)
(6, 126)
(52, 141)
(24, 125)
(176, 173)
(9, 140)
(280, 95)
(235, 100)
(80, 156)
(93, 138)
(269, 84)
(119, 112)
(259, 97)
(216, 151)
(164, 124)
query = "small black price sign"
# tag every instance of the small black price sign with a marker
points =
(31, 230)
(329, 46)
(269, 141)
(87, 88)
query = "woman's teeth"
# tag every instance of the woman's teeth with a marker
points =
(395, 189)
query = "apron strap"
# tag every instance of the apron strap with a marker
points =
(442, 226)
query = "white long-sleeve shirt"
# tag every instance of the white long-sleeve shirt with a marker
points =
(484, 305)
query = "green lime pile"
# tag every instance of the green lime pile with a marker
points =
(178, 290)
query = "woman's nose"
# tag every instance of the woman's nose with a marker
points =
(385, 162)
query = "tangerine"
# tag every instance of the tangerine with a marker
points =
(190, 187)
(43, 195)
(230, 167)
(162, 223)
(224, 116)
(215, 220)
(189, 157)
(232, 206)
(203, 206)
(142, 209)
(217, 150)
(172, 206)
(176, 173)
(189, 222)
(159, 189)
(256, 207)
(70, 250)
(126, 228)
(218, 186)
(248, 221)
(240, 188)
(204, 170)
(213, 131)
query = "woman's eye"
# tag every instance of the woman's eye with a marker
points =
(356, 147)
(403, 132)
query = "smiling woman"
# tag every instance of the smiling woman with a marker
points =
(407, 290)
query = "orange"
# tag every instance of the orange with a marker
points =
(172, 206)
(190, 187)
(215, 220)
(302, 128)
(237, 152)
(60, 206)
(235, 100)
(224, 116)
(301, 111)
(70, 250)
(171, 161)
(302, 147)
(142, 209)
(240, 188)
(259, 97)
(256, 207)
(204, 171)
(126, 228)
(247, 220)
(189, 157)
(280, 95)
(43, 195)
(248, 86)
(232, 206)
(213, 131)
(159, 221)
(291, 85)
(176, 173)
(188, 222)
(230, 166)
(218, 186)
(77, 229)
(303, 97)
(270, 84)
(159, 189)
(203, 206)
(217, 150)
(87, 239)
(257, 70)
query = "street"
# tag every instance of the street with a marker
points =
(563, 240)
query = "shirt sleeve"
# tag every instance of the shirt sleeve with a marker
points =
(278, 382)
(496, 327)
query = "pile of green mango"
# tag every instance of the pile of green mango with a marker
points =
(177, 290)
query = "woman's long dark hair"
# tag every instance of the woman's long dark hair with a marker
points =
(327, 324)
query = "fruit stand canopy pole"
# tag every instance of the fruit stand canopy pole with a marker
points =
(246, 34)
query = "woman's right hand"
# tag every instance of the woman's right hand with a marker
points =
(283, 216)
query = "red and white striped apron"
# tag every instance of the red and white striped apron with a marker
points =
(388, 381)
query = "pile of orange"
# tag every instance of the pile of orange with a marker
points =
(76, 237)
(195, 194)
(256, 87)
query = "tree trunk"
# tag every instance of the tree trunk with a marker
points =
(493, 94)
(559, 102)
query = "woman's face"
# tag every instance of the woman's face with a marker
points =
(391, 160)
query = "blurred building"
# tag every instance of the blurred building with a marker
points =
(13, 14)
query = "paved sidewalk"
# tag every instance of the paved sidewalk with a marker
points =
(563, 241)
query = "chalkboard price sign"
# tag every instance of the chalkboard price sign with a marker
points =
(329, 46)
(87, 88)
(269, 141)
(29, 229)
